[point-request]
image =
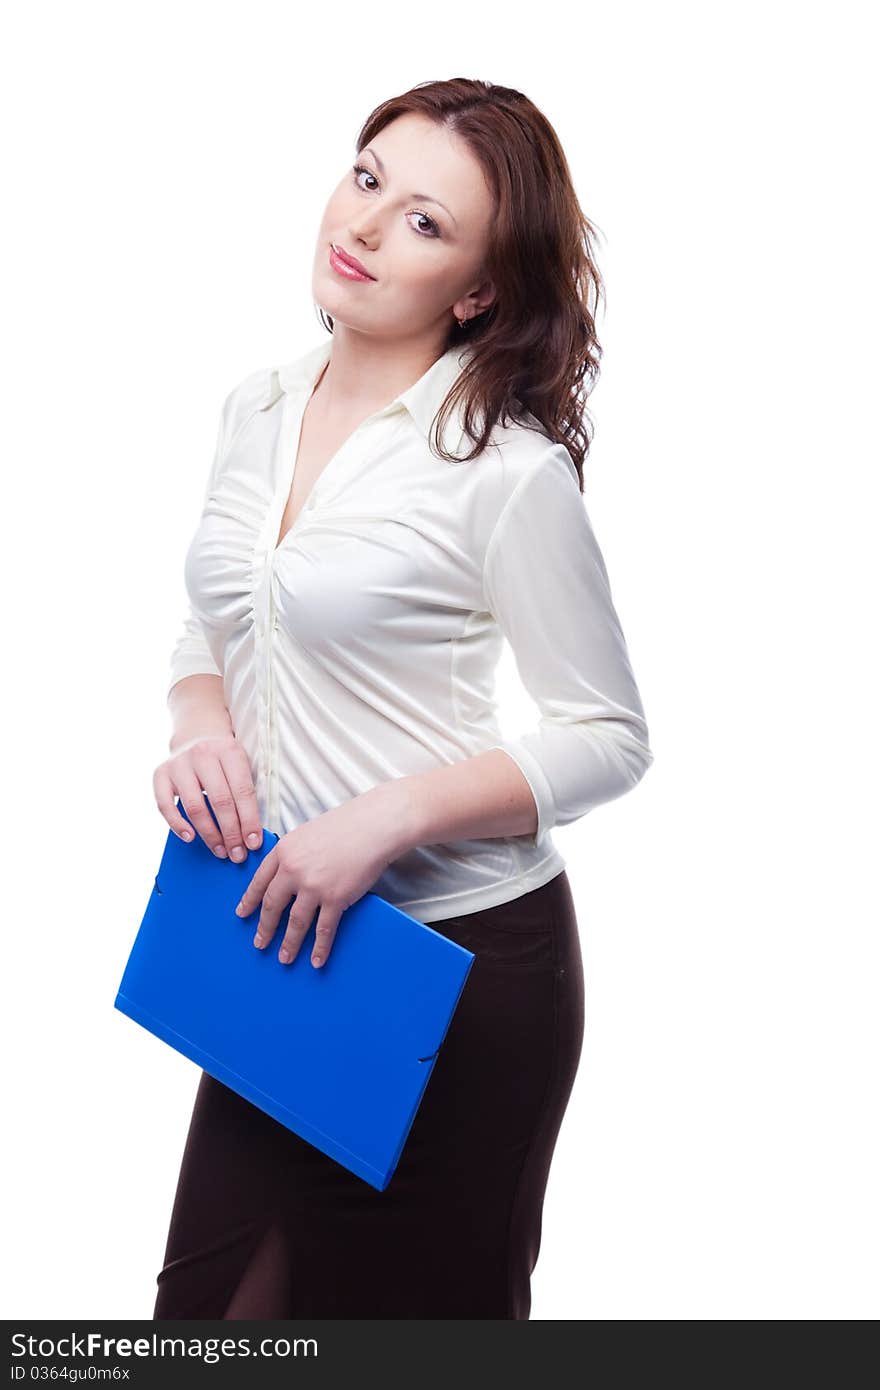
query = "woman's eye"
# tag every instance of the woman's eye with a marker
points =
(358, 169)
(435, 230)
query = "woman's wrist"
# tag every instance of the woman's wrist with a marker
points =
(398, 806)
(180, 742)
(198, 710)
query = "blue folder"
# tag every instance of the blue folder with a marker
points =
(340, 1054)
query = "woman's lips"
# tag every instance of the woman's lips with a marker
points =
(347, 266)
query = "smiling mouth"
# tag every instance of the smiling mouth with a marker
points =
(346, 266)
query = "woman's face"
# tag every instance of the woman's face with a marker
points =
(417, 215)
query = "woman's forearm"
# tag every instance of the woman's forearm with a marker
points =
(483, 795)
(197, 706)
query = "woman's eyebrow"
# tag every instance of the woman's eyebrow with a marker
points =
(425, 197)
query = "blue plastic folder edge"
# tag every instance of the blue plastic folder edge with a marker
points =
(355, 1161)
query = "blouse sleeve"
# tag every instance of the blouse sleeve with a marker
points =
(191, 655)
(546, 585)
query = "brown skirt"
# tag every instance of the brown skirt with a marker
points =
(264, 1225)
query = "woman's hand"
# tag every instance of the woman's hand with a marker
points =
(327, 863)
(218, 764)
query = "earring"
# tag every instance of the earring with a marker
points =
(461, 322)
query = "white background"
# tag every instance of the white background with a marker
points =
(165, 169)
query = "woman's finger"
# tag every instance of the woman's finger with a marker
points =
(253, 894)
(228, 840)
(238, 774)
(276, 899)
(325, 932)
(163, 790)
(302, 914)
(192, 797)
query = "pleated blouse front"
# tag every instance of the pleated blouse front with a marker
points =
(364, 646)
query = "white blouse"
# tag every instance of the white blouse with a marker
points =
(363, 647)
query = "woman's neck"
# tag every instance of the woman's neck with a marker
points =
(364, 372)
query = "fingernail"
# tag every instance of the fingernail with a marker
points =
(238, 854)
(317, 960)
(258, 940)
(253, 840)
(284, 955)
(220, 852)
(186, 835)
(239, 911)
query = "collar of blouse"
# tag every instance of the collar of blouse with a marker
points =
(423, 399)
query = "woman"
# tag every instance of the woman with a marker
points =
(364, 548)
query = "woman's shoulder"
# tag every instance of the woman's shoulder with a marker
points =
(505, 478)
(522, 447)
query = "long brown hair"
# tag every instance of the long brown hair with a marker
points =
(535, 349)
